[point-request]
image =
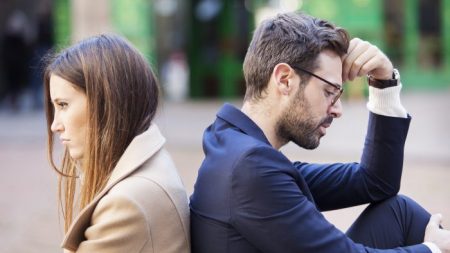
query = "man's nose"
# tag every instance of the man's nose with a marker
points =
(336, 110)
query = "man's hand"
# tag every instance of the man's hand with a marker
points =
(436, 235)
(364, 58)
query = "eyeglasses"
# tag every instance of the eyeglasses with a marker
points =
(336, 86)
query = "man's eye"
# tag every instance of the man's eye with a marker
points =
(329, 93)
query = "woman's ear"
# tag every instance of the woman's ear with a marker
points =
(284, 75)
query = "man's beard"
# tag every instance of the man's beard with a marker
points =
(297, 124)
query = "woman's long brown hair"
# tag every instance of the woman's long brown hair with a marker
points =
(122, 94)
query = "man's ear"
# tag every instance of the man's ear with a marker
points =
(283, 75)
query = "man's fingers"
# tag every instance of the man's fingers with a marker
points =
(352, 44)
(360, 48)
(435, 220)
(360, 65)
(350, 49)
(363, 58)
(368, 66)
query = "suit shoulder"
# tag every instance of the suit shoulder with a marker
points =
(236, 142)
(263, 155)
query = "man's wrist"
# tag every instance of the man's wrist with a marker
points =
(386, 102)
(391, 81)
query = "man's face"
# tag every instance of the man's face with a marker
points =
(310, 111)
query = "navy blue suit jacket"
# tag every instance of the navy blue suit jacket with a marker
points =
(249, 197)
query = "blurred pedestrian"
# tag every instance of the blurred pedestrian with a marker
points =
(15, 56)
(175, 77)
(101, 98)
(41, 46)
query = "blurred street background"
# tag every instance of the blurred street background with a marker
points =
(196, 48)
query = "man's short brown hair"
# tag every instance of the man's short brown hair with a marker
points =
(293, 38)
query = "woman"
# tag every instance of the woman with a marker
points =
(119, 189)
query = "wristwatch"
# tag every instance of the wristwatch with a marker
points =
(381, 84)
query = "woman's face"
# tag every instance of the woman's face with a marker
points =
(70, 117)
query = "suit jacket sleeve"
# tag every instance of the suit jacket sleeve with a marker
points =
(378, 175)
(118, 225)
(272, 213)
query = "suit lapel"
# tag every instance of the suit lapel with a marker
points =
(141, 148)
(234, 116)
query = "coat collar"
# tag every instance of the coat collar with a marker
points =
(236, 117)
(141, 148)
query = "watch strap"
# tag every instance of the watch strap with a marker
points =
(381, 84)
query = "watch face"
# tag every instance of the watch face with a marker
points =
(396, 74)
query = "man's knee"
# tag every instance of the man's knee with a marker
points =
(402, 201)
(402, 207)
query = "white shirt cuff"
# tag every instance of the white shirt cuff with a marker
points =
(432, 247)
(386, 102)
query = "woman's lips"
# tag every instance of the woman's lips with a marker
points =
(64, 141)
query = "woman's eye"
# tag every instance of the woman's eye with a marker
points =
(62, 105)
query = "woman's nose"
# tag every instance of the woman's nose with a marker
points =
(56, 125)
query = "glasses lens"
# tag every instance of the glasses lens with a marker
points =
(336, 98)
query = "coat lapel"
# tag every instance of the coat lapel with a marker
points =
(141, 148)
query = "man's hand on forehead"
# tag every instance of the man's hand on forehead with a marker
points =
(364, 58)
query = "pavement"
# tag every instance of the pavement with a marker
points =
(29, 212)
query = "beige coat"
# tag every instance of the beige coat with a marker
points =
(143, 208)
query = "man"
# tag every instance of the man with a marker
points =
(250, 198)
